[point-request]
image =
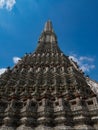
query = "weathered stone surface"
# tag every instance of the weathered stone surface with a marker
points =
(46, 90)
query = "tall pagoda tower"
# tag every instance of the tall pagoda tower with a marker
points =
(46, 90)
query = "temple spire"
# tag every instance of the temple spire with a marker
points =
(48, 26)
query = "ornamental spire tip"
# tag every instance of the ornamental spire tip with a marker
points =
(48, 26)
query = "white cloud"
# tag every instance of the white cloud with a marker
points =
(2, 3)
(7, 4)
(16, 59)
(87, 67)
(85, 63)
(82, 58)
(2, 70)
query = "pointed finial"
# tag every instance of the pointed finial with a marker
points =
(48, 26)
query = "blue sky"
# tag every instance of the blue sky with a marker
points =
(75, 23)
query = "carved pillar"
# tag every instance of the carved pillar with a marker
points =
(81, 115)
(3, 106)
(45, 114)
(9, 117)
(28, 115)
(61, 114)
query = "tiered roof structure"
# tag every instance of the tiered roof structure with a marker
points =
(46, 90)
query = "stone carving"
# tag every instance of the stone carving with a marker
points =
(46, 90)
